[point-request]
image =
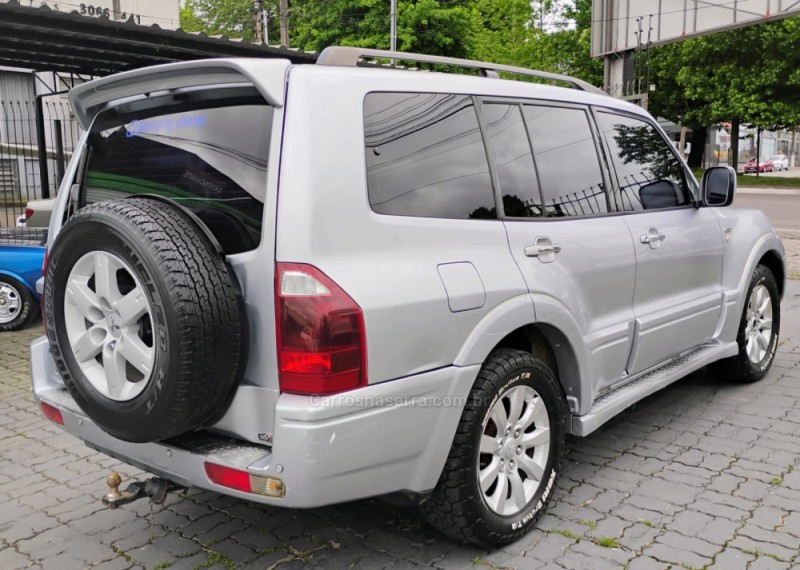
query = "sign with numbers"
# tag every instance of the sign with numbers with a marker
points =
(163, 13)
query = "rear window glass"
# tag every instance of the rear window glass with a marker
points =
(212, 161)
(425, 157)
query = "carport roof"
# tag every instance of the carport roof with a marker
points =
(43, 39)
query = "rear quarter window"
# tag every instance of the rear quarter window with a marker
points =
(210, 160)
(425, 157)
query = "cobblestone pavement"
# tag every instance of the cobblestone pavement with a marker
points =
(702, 475)
(792, 245)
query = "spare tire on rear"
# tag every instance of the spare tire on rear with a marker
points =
(143, 319)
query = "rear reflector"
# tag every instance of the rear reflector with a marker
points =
(52, 414)
(244, 481)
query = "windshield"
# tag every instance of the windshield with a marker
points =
(777, 157)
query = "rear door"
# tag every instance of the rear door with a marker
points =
(574, 255)
(678, 294)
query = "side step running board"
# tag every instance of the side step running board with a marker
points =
(612, 403)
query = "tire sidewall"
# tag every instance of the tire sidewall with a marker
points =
(103, 234)
(27, 301)
(544, 384)
(762, 277)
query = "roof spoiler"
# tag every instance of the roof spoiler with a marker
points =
(268, 76)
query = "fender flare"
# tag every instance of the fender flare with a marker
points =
(556, 323)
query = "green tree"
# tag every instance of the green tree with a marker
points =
(425, 26)
(232, 18)
(750, 75)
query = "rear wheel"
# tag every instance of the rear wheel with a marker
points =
(506, 455)
(758, 331)
(17, 304)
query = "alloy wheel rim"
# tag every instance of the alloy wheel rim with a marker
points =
(10, 302)
(109, 325)
(758, 327)
(514, 449)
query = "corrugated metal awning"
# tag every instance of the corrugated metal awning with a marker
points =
(43, 39)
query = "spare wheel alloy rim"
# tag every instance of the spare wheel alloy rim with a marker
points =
(514, 449)
(109, 322)
(10, 303)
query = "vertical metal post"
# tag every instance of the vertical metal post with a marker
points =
(41, 141)
(284, 23)
(393, 26)
(57, 133)
(257, 22)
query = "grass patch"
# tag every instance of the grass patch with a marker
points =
(758, 553)
(591, 524)
(607, 542)
(750, 180)
(162, 565)
(215, 558)
(649, 524)
(477, 560)
(776, 481)
(567, 533)
(753, 181)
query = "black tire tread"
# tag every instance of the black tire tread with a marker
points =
(447, 508)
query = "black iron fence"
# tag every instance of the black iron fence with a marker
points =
(33, 154)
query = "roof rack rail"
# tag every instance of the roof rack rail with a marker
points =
(350, 57)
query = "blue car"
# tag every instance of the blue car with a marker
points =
(20, 267)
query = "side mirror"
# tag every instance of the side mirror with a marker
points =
(718, 186)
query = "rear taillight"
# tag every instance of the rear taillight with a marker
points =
(28, 213)
(320, 333)
(41, 303)
(52, 413)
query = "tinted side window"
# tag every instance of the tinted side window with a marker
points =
(213, 161)
(648, 172)
(512, 151)
(425, 157)
(567, 161)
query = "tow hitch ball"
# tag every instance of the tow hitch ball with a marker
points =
(154, 488)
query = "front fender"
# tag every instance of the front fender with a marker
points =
(749, 237)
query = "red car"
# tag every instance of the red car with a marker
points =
(764, 165)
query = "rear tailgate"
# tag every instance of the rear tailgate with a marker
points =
(251, 413)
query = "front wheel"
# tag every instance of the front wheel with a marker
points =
(758, 331)
(17, 304)
(506, 454)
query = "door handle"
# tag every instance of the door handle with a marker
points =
(653, 237)
(544, 249)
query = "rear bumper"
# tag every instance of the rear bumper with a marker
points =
(386, 438)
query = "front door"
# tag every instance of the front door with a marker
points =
(678, 293)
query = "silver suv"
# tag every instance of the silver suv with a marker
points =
(308, 284)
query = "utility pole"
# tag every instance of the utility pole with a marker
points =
(285, 23)
(393, 26)
(258, 24)
(265, 25)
